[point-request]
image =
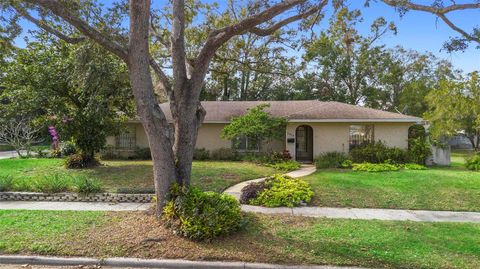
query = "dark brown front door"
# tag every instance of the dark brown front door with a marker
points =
(304, 143)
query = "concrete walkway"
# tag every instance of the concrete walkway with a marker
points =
(370, 213)
(73, 206)
(236, 190)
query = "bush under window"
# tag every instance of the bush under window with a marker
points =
(378, 152)
(201, 215)
(330, 160)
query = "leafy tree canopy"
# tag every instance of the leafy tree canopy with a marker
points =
(455, 108)
(80, 89)
(256, 124)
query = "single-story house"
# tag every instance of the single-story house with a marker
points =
(313, 127)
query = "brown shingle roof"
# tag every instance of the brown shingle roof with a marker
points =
(310, 111)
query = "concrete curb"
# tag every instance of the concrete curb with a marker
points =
(150, 263)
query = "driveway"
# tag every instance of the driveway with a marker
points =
(8, 154)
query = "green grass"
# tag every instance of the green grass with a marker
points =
(43, 232)
(458, 157)
(208, 175)
(438, 188)
(266, 239)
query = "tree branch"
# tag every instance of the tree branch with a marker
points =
(219, 37)
(44, 25)
(439, 12)
(270, 30)
(177, 40)
(61, 11)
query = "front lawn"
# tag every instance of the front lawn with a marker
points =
(438, 188)
(281, 239)
(129, 175)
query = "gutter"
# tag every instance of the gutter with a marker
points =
(151, 263)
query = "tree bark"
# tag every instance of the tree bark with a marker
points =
(153, 119)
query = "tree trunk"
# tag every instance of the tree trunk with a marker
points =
(189, 117)
(153, 119)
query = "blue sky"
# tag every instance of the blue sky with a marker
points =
(416, 30)
(421, 31)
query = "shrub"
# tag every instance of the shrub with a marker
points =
(55, 153)
(374, 167)
(40, 152)
(473, 163)
(332, 159)
(201, 215)
(109, 153)
(85, 185)
(142, 154)
(53, 184)
(418, 150)
(414, 166)
(251, 191)
(6, 183)
(79, 161)
(378, 152)
(224, 154)
(285, 166)
(201, 154)
(347, 164)
(68, 148)
(282, 190)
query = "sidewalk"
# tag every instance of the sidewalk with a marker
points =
(370, 214)
(73, 206)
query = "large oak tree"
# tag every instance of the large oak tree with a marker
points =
(72, 22)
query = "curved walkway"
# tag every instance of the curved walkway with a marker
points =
(236, 190)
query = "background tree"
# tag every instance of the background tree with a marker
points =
(348, 64)
(171, 161)
(250, 65)
(20, 134)
(80, 89)
(455, 108)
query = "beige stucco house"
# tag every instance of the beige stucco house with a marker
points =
(313, 127)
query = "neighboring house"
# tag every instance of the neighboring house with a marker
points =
(313, 127)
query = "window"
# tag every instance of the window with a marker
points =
(244, 143)
(361, 135)
(126, 139)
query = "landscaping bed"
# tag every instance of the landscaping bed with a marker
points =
(271, 239)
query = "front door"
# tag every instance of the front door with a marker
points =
(304, 143)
